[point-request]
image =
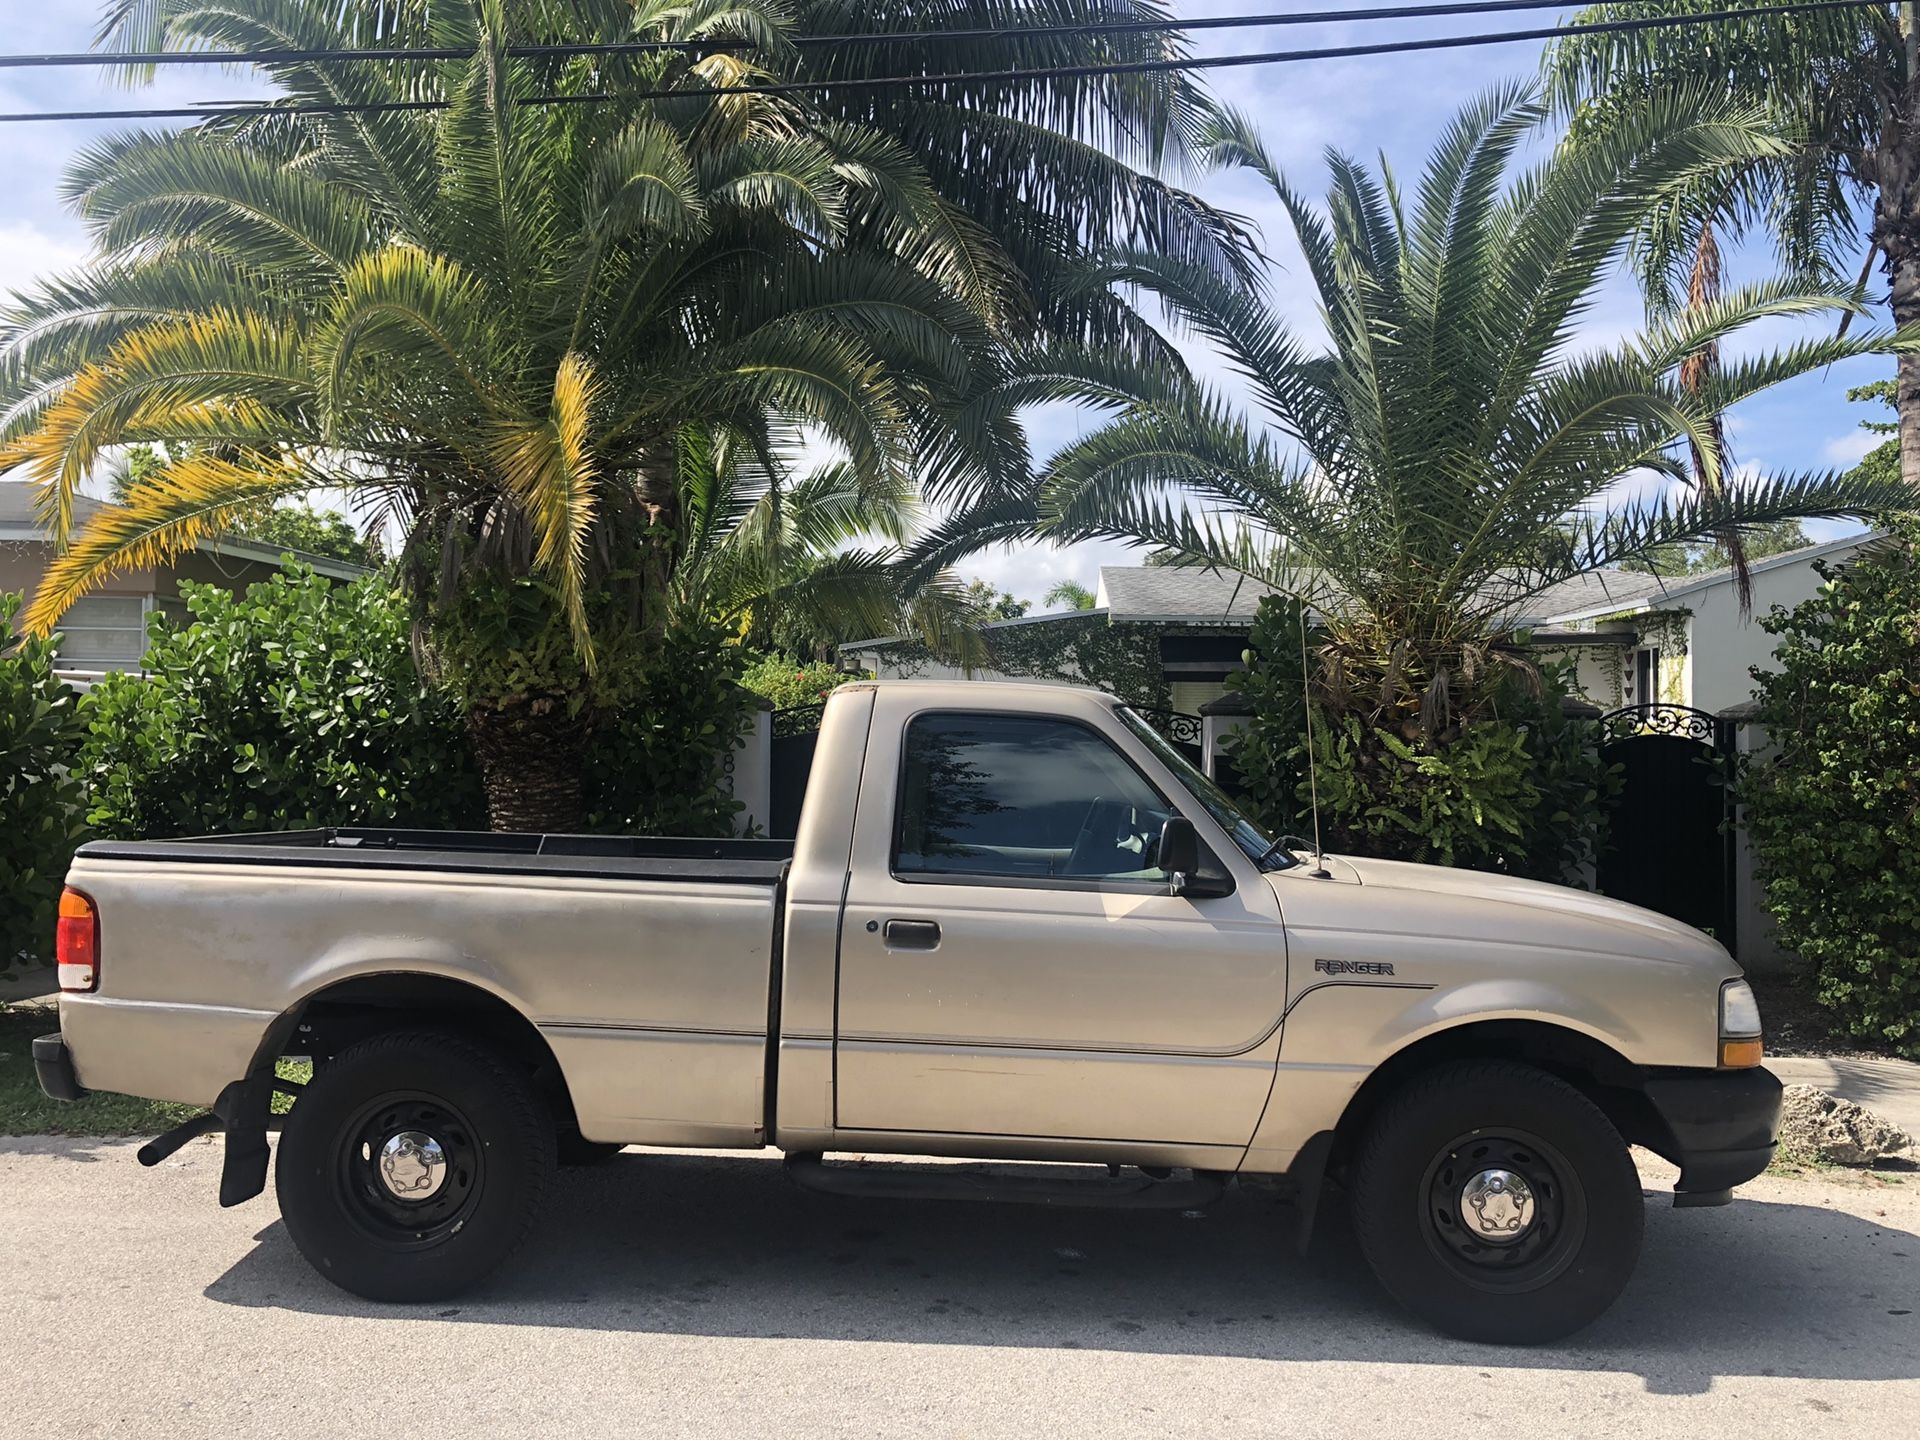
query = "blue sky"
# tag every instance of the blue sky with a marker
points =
(1395, 104)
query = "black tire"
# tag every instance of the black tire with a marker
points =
(1463, 1131)
(492, 1150)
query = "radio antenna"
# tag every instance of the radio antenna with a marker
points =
(1319, 871)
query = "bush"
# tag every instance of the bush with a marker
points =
(789, 683)
(1833, 812)
(41, 804)
(293, 706)
(1522, 791)
(658, 766)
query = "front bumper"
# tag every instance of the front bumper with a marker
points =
(53, 1068)
(1722, 1126)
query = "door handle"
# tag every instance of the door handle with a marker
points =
(912, 935)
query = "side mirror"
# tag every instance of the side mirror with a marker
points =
(1179, 856)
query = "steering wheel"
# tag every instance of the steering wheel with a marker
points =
(1098, 842)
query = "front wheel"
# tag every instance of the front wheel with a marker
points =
(1498, 1203)
(413, 1165)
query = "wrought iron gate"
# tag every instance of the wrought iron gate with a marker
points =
(1670, 843)
(796, 732)
(1183, 731)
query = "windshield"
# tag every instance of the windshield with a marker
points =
(1249, 836)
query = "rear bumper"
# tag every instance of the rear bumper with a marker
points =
(1723, 1125)
(53, 1068)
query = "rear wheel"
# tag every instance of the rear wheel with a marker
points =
(413, 1165)
(1498, 1203)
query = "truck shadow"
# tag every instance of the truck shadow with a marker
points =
(727, 1247)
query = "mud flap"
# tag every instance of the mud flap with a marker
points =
(243, 1108)
(242, 1111)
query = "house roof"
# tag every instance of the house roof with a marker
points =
(1176, 595)
(20, 507)
(1172, 594)
(20, 520)
(1661, 592)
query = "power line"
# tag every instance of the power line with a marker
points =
(1455, 9)
(212, 109)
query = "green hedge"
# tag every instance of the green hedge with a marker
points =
(656, 768)
(790, 683)
(40, 800)
(292, 706)
(1833, 809)
(1524, 793)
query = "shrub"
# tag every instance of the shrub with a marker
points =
(789, 683)
(294, 705)
(41, 804)
(1833, 811)
(658, 766)
(1521, 791)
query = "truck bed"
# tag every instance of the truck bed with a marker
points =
(736, 862)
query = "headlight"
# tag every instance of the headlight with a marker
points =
(1740, 1041)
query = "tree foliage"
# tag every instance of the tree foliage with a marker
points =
(520, 331)
(307, 530)
(1070, 595)
(1759, 543)
(1449, 454)
(1833, 805)
(1836, 85)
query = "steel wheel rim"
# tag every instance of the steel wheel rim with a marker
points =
(367, 1189)
(1494, 1254)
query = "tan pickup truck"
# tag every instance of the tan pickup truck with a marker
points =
(1016, 925)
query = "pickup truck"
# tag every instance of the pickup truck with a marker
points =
(1016, 925)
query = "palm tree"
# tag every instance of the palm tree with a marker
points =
(510, 330)
(1070, 595)
(1839, 85)
(1452, 450)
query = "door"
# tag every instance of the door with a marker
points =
(1011, 962)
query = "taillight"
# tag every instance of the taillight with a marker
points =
(76, 943)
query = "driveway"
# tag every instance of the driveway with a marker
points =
(703, 1295)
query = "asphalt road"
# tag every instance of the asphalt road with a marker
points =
(703, 1295)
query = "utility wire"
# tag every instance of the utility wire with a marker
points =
(1455, 9)
(210, 109)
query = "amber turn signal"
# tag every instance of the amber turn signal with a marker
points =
(1741, 1054)
(76, 944)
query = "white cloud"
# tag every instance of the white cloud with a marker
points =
(1027, 572)
(28, 252)
(1850, 449)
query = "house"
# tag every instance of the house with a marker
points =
(1681, 640)
(1634, 638)
(107, 629)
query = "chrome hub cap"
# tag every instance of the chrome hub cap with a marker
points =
(412, 1166)
(1497, 1206)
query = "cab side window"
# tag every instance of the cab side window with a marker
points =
(1022, 797)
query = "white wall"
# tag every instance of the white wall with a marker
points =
(1724, 647)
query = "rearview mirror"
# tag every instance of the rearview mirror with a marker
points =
(1179, 856)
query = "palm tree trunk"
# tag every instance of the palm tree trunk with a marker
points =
(1703, 288)
(1894, 168)
(656, 486)
(531, 754)
(1903, 265)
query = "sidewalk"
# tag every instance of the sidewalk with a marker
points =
(36, 983)
(1889, 1087)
